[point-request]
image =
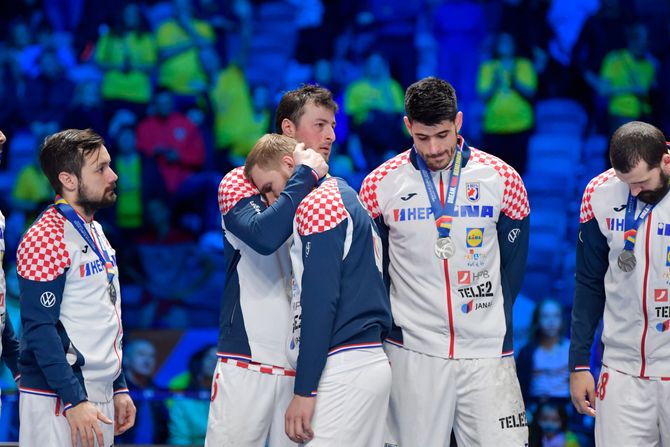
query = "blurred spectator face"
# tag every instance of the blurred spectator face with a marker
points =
(164, 104)
(158, 213)
(261, 97)
(549, 420)
(315, 128)
(142, 358)
(376, 67)
(125, 141)
(88, 94)
(20, 35)
(209, 362)
(210, 60)
(50, 66)
(550, 319)
(638, 39)
(131, 16)
(323, 73)
(505, 46)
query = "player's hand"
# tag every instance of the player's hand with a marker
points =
(298, 419)
(83, 419)
(309, 157)
(583, 392)
(3, 138)
(124, 413)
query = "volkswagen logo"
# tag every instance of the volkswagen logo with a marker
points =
(511, 237)
(48, 299)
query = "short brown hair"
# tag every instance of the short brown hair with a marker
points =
(267, 152)
(292, 103)
(65, 151)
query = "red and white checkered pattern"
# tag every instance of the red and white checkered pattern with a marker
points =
(42, 254)
(321, 210)
(259, 367)
(586, 211)
(515, 198)
(368, 193)
(233, 188)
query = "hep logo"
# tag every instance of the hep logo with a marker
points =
(661, 295)
(663, 327)
(464, 277)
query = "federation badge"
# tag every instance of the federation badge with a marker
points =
(472, 191)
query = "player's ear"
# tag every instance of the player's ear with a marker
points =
(288, 161)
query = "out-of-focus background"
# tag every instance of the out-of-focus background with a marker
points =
(181, 90)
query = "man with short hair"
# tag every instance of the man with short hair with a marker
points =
(253, 380)
(71, 358)
(623, 266)
(341, 311)
(455, 221)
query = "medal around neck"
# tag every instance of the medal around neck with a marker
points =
(626, 261)
(444, 248)
(112, 293)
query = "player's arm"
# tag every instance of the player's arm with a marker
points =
(10, 348)
(513, 237)
(587, 310)
(40, 311)
(263, 228)
(322, 254)
(320, 291)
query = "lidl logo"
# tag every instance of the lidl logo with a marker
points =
(472, 191)
(661, 295)
(474, 237)
(667, 257)
(663, 229)
(464, 277)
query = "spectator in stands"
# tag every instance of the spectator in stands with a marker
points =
(237, 122)
(141, 178)
(188, 414)
(627, 76)
(180, 40)
(173, 140)
(32, 191)
(374, 102)
(507, 84)
(86, 109)
(127, 53)
(550, 427)
(543, 362)
(47, 96)
(139, 361)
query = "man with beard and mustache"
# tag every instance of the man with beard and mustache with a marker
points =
(455, 222)
(71, 359)
(623, 266)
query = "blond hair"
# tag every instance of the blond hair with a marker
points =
(268, 151)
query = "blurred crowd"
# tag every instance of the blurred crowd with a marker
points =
(181, 89)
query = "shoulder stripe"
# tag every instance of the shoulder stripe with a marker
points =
(369, 187)
(322, 210)
(515, 198)
(42, 254)
(233, 188)
(585, 210)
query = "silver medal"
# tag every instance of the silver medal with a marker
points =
(444, 248)
(112, 293)
(626, 260)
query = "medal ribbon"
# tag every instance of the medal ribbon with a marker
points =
(79, 225)
(443, 213)
(631, 223)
